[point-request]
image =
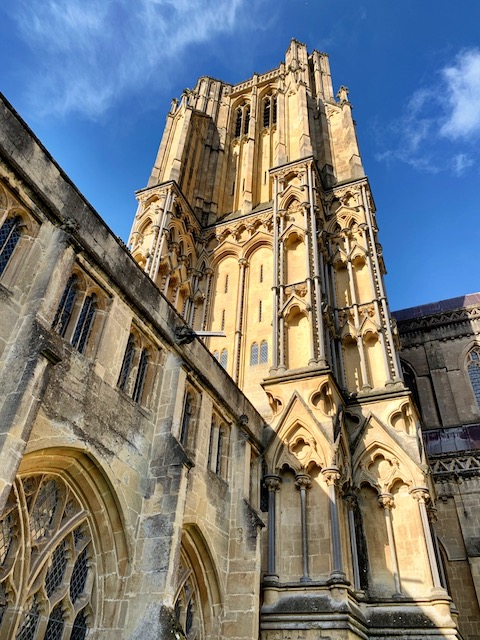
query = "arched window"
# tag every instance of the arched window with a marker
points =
(266, 112)
(65, 308)
(211, 444)
(411, 381)
(9, 237)
(187, 416)
(141, 376)
(224, 358)
(127, 363)
(269, 111)
(242, 120)
(218, 465)
(216, 355)
(263, 352)
(254, 354)
(238, 123)
(246, 119)
(473, 365)
(47, 576)
(85, 323)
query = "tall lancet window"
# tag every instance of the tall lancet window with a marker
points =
(242, 120)
(473, 365)
(269, 111)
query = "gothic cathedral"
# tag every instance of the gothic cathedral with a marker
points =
(207, 435)
(258, 225)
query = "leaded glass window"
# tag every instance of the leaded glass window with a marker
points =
(85, 323)
(188, 607)
(127, 363)
(9, 237)
(263, 352)
(473, 363)
(65, 308)
(141, 376)
(224, 358)
(47, 575)
(254, 354)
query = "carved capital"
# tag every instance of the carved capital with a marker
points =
(386, 500)
(332, 475)
(421, 494)
(272, 482)
(303, 481)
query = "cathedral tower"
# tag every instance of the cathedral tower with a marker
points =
(258, 223)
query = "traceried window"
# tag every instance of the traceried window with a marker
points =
(135, 377)
(473, 365)
(77, 311)
(10, 232)
(47, 569)
(259, 355)
(269, 111)
(242, 120)
(188, 606)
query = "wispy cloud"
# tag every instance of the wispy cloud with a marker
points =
(440, 125)
(463, 97)
(91, 52)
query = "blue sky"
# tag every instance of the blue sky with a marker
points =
(94, 80)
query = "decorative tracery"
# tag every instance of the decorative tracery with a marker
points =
(46, 563)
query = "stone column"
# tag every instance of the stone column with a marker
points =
(363, 366)
(351, 501)
(432, 518)
(275, 291)
(209, 274)
(386, 501)
(272, 483)
(421, 495)
(318, 270)
(242, 263)
(332, 475)
(303, 482)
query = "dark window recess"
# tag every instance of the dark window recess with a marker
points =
(65, 308)
(85, 323)
(9, 236)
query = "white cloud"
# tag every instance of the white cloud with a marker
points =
(463, 96)
(441, 122)
(93, 51)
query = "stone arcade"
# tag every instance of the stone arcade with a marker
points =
(269, 484)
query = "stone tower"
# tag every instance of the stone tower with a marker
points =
(258, 223)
